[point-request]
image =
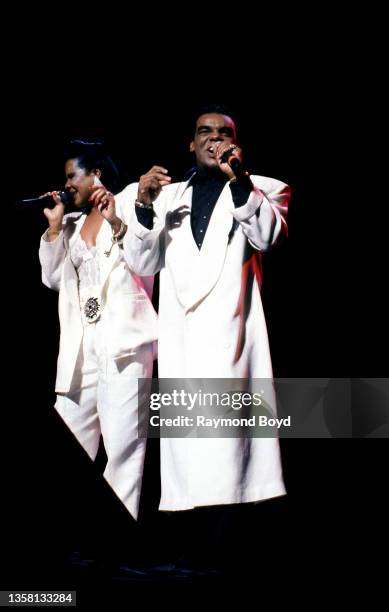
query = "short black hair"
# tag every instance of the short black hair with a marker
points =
(205, 109)
(92, 156)
(220, 109)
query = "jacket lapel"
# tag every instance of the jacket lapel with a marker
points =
(214, 248)
(70, 274)
(195, 272)
(104, 246)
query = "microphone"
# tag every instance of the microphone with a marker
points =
(229, 158)
(66, 198)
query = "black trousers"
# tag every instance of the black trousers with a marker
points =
(225, 537)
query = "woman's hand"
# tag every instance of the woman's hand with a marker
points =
(104, 201)
(54, 215)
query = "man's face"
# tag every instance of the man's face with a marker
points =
(211, 129)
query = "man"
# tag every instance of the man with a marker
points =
(206, 237)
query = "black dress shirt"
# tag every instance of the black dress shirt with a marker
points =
(207, 187)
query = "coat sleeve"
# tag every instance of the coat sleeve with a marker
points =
(144, 249)
(125, 209)
(52, 256)
(263, 217)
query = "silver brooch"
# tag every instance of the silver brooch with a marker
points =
(92, 309)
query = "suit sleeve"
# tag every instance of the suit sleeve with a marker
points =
(125, 209)
(263, 217)
(52, 256)
(144, 249)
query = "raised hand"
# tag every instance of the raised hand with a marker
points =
(151, 183)
(54, 215)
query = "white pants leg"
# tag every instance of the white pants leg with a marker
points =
(117, 404)
(78, 407)
(104, 398)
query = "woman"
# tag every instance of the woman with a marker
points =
(108, 324)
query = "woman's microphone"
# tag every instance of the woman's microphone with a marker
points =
(66, 198)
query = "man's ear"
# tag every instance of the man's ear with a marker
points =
(97, 172)
(191, 147)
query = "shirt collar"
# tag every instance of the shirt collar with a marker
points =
(207, 176)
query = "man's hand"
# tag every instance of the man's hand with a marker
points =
(151, 183)
(220, 149)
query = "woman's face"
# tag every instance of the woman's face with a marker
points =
(78, 182)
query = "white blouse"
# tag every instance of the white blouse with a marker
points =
(86, 263)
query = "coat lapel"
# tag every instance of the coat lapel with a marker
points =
(195, 272)
(70, 274)
(104, 246)
(214, 248)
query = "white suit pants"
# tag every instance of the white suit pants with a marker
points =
(103, 399)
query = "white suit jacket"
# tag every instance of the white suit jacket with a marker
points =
(211, 325)
(127, 307)
(214, 292)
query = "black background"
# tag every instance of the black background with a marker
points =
(300, 103)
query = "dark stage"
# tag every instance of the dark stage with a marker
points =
(316, 293)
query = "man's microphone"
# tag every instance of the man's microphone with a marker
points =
(233, 161)
(66, 198)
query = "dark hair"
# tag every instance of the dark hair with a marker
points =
(220, 109)
(92, 156)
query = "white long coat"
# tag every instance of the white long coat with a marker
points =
(128, 312)
(212, 325)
